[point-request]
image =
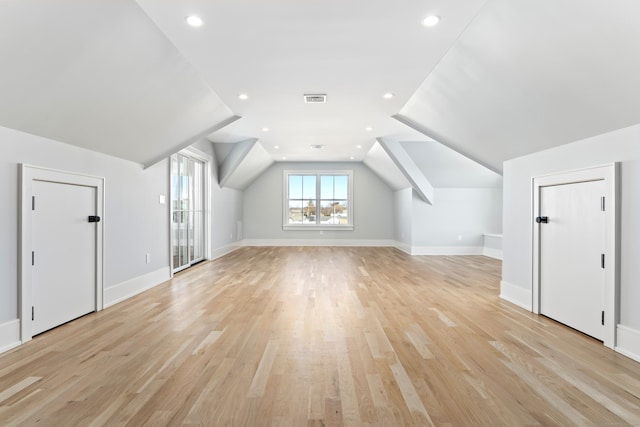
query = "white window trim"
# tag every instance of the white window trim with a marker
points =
(317, 173)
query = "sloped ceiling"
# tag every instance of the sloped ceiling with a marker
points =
(445, 168)
(496, 79)
(530, 75)
(99, 74)
(276, 51)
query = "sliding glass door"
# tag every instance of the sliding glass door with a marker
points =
(187, 211)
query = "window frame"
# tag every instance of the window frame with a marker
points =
(318, 200)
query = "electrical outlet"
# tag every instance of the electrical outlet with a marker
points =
(148, 258)
(459, 237)
(161, 199)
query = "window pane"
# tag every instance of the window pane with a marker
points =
(309, 187)
(334, 212)
(295, 212)
(184, 183)
(309, 211)
(326, 187)
(341, 187)
(175, 188)
(295, 187)
(197, 244)
(198, 185)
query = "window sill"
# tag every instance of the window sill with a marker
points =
(319, 227)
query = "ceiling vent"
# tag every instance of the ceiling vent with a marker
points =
(317, 98)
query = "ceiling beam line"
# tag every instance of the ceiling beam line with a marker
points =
(208, 131)
(443, 140)
(409, 169)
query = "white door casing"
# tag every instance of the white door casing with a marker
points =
(608, 175)
(64, 245)
(571, 243)
(28, 176)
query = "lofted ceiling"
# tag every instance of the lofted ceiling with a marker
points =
(276, 51)
(494, 80)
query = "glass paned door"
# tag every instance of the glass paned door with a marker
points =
(187, 211)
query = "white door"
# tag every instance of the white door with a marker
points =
(64, 254)
(572, 276)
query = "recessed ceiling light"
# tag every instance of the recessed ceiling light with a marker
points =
(243, 96)
(284, 158)
(431, 20)
(387, 95)
(276, 146)
(265, 129)
(194, 21)
(358, 146)
(351, 157)
(317, 146)
(369, 129)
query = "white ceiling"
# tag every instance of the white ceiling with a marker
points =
(278, 50)
(444, 167)
(530, 75)
(100, 75)
(496, 79)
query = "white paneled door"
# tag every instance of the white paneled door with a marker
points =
(572, 241)
(64, 253)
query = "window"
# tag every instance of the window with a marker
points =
(319, 200)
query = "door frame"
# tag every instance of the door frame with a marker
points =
(609, 173)
(28, 174)
(207, 161)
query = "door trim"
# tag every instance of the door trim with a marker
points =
(610, 175)
(28, 174)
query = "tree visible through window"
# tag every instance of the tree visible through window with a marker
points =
(318, 199)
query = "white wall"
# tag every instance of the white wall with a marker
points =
(621, 145)
(226, 208)
(135, 223)
(458, 218)
(403, 207)
(373, 205)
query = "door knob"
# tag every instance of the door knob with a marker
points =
(542, 219)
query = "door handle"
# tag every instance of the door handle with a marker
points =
(542, 220)
(94, 218)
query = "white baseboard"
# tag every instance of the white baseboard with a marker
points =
(9, 335)
(129, 288)
(492, 253)
(516, 295)
(318, 242)
(404, 247)
(446, 250)
(220, 252)
(628, 342)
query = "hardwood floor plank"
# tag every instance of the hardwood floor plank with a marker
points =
(290, 336)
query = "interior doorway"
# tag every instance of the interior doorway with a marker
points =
(572, 275)
(575, 255)
(188, 213)
(61, 247)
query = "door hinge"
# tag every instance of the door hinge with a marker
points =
(602, 205)
(33, 313)
(602, 260)
(33, 203)
(33, 258)
(602, 318)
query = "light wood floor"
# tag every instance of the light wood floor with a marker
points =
(319, 336)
